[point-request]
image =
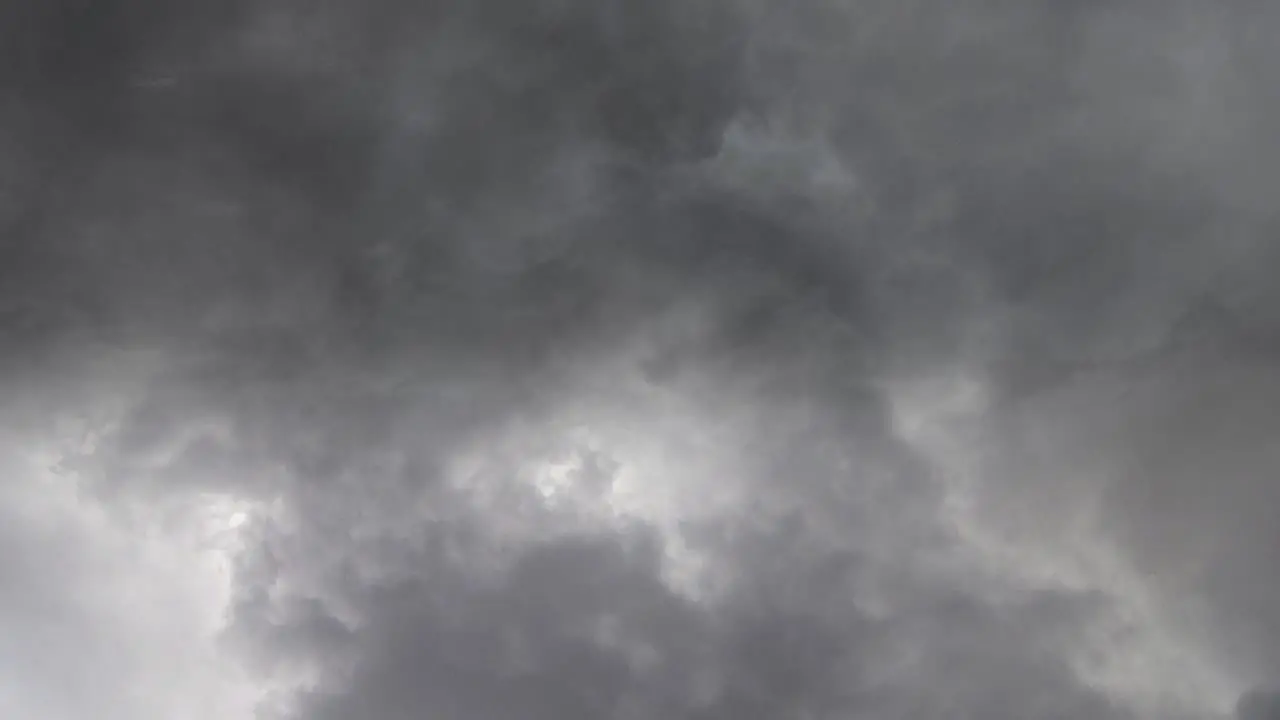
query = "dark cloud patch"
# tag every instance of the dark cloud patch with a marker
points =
(1258, 705)
(586, 627)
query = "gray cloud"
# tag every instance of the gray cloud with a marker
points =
(622, 359)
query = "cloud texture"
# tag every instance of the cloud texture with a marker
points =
(574, 359)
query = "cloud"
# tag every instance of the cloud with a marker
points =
(580, 359)
(1257, 704)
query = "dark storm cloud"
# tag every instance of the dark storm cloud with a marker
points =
(705, 360)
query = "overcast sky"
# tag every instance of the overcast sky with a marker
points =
(639, 360)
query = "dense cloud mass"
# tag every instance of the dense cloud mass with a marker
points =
(577, 359)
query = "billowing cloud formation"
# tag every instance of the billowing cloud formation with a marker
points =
(579, 359)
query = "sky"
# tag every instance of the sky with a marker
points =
(695, 360)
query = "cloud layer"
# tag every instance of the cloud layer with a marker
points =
(581, 359)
